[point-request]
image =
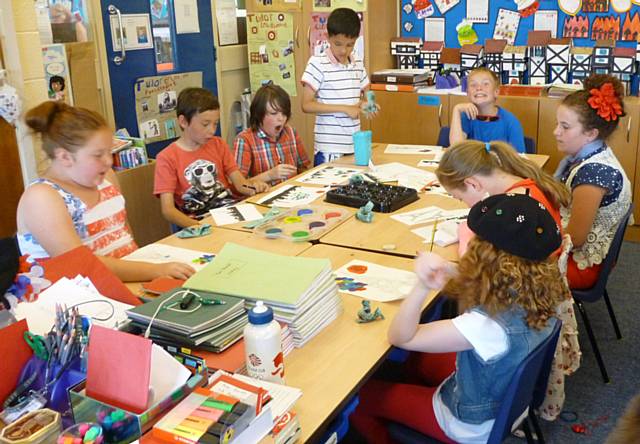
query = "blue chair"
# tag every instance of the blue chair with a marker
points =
(599, 290)
(519, 396)
(434, 313)
(529, 145)
(443, 136)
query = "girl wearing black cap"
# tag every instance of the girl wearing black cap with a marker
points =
(509, 289)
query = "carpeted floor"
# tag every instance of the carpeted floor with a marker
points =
(598, 405)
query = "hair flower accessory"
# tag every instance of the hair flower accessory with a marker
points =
(605, 101)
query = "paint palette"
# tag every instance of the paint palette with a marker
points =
(385, 198)
(301, 224)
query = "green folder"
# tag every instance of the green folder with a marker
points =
(259, 275)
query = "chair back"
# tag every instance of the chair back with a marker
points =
(443, 136)
(517, 398)
(594, 293)
(529, 145)
(519, 394)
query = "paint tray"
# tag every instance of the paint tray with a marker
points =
(304, 223)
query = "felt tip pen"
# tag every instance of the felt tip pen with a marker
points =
(186, 301)
(250, 187)
(205, 301)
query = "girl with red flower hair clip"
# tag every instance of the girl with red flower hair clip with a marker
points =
(600, 189)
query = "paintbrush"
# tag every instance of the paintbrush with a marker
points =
(433, 235)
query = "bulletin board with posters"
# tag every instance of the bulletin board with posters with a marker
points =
(271, 46)
(273, 5)
(156, 100)
(330, 5)
(583, 20)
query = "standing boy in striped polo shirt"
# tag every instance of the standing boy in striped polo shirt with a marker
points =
(334, 84)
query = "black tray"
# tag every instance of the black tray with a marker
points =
(385, 198)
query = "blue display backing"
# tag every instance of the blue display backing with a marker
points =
(485, 30)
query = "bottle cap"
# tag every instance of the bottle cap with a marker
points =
(260, 314)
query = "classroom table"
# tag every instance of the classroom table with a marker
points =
(387, 235)
(379, 157)
(335, 364)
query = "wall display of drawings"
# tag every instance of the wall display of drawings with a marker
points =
(270, 45)
(156, 100)
(445, 5)
(583, 20)
(330, 5)
(319, 39)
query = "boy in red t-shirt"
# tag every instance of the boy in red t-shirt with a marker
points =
(195, 173)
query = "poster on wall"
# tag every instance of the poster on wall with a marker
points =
(576, 27)
(330, 5)
(273, 5)
(156, 100)
(136, 29)
(507, 25)
(56, 71)
(631, 27)
(270, 45)
(546, 20)
(445, 5)
(319, 39)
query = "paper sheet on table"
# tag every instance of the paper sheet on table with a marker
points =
(330, 175)
(413, 149)
(446, 233)
(291, 196)
(374, 282)
(167, 374)
(405, 175)
(234, 214)
(41, 314)
(160, 253)
(429, 214)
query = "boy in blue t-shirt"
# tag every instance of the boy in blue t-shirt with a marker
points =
(481, 119)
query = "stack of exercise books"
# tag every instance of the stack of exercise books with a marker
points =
(407, 80)
(209, 321)
(301, 291)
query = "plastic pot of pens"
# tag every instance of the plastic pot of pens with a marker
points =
(117, 425)
(82, 433)
(53, 379)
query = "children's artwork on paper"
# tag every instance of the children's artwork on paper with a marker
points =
(445, 5)
(291, 195)
(429, 215)
(430, 162)
(570, 7)
(329, 175)
(374, 282)
(160, 253)
(234, 214)
(631, 27)
(507, 25)
(621, 6)
(423, 9)
(412, 149)
(576, 27)
(595, 5)
(606, 27)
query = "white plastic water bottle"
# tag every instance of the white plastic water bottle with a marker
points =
(263, 345)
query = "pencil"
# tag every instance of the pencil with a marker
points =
(433, 235)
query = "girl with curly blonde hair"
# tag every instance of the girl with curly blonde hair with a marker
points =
(509, 287)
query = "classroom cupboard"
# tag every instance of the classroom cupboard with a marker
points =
(380, 26)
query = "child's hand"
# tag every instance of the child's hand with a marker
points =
(468, 108)
(176, 270)
(258, 186)
(282, 171)
(353, 111)
(433, 271)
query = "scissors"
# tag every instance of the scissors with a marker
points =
(38, 344)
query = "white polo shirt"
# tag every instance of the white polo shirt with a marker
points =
(335, 83)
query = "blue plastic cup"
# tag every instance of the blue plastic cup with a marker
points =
(362, 147)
